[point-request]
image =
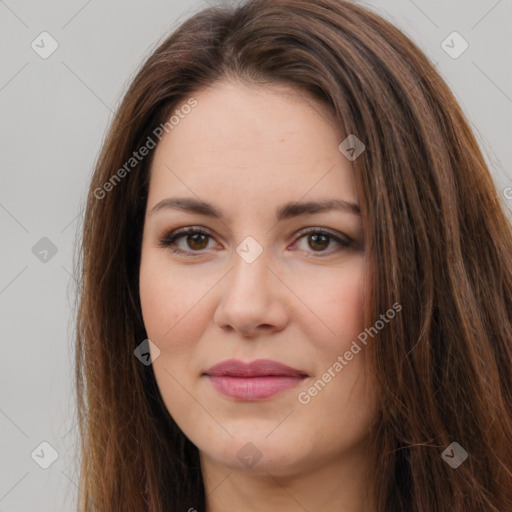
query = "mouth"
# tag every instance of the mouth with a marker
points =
(257, 380)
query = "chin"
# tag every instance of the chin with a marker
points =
(257, 454)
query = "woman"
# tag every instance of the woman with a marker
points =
(296, 278)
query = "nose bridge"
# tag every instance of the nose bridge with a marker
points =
(249, 298)
(250, 262)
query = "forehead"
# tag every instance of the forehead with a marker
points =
(247, 141)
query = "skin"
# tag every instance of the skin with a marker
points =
(248, 149)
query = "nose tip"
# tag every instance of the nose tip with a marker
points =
(251, 300)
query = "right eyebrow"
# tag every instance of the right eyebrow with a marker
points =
(187, 204)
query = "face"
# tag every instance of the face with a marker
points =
(238, 269)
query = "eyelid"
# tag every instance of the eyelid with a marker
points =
(170, 235)
(333, 235)
(327, 231)
(169, 238)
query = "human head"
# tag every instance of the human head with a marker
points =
(423, 190)
(295, 296)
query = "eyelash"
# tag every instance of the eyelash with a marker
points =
(168, 240)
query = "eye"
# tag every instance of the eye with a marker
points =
(194, 240)
(319, 240)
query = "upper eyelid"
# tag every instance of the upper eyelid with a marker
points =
(181, 232)
(319, 229)
(186, 230)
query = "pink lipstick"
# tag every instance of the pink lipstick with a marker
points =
(257, 380)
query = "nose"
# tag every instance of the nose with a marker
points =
(253, 299)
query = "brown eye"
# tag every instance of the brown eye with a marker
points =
(322, 242)
(188, 241)
(318, 242)
(197, 241)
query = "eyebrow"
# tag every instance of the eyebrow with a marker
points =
(286, 211)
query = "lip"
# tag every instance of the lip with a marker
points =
(256, 380)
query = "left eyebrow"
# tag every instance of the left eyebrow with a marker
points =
(286, 211)
(294, 209)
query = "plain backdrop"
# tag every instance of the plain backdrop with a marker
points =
(54, 113)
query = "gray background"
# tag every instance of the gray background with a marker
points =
(54, 115)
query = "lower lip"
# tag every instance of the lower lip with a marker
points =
(253, 388)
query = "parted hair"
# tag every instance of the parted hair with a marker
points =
(437, 240)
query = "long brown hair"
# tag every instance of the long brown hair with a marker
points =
(437, 241)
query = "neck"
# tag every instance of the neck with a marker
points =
(337, 485)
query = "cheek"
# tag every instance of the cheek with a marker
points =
(337, 301)
(173, 316)
(347, 398)
(173, 302)
(347, 299)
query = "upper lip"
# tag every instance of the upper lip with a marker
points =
(257, 368)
